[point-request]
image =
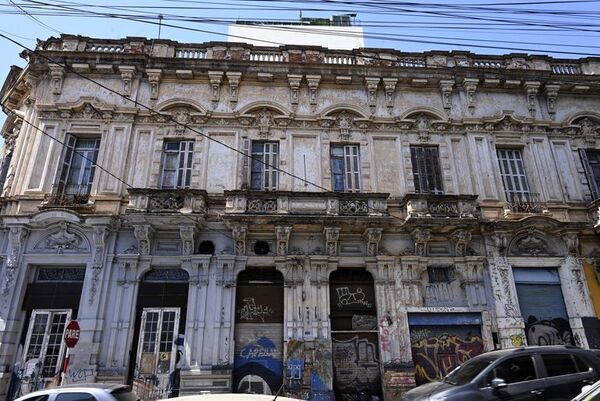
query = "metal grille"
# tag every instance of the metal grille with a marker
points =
(513, 174)
(60, 274)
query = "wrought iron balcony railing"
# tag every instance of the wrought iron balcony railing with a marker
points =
(444, 206)
(306, 203)
(67, 196)
(525, 203)
(155, 200)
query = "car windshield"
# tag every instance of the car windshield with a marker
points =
(468, 370)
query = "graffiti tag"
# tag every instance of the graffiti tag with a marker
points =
(436, 356)
(251, 310)
(517, 340)
(356, 366)
(80, 375)
(548, 332)
(257, 351)
(345, 297)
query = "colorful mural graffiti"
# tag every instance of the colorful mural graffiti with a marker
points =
(436, 351)
(258, 368)
(548, 331)
(356, 368)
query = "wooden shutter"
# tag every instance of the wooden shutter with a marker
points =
(66, 160)
(352, 167)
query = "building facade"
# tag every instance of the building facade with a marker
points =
(340, 223)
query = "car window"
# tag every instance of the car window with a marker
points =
(516, 370)
(75, 397)
(37, 398)
(582, 365)
(559, 364)
(468, 370)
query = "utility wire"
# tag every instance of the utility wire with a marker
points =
(37, 21)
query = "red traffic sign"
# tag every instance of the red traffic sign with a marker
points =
(72, 332)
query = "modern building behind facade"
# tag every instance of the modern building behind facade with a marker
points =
(343, 223)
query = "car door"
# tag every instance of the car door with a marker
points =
(522, 377)
(566, 374)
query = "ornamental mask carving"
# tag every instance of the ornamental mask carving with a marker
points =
(61, 241)
(264, 120)
(530, 244)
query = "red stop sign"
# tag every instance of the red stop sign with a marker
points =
(72, 333)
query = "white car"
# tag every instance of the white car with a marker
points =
(589, 393)
(84, 392)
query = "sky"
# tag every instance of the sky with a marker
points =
(563, 29)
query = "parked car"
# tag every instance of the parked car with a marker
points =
(553, 373)
(231, 397)
(589, 393)
(85, 392)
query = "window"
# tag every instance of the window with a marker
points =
(559, 364)
(591, 165)
(177, 164)
(440, 274)
(156, 351)
(79, 162)
(45, 339)
(265, 163)
(426, 169)
(513, 176)
(345, 168)
(515, 370)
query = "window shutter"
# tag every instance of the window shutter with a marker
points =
(245, 162)
(352, 167)
(589, 174)
(66, 161)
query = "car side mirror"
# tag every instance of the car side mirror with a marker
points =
(498, 383)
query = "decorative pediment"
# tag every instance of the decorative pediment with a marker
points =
(530, 243)
(264, 118)
(87, 108)
(179, 115)
(507, 123)
(345, 121)
(63, 240)
(587, 126)
(423, 123)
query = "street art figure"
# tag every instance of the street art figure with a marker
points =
(257, 368)
(548, 332)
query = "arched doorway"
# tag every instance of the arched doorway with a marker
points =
(258, 359)
(355, 348)
(159, 327)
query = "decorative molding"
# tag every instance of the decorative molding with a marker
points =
(234, 81)
(283, 239)
(100, 233)
(372, 83)
(461, 239)
(421, 237)
(62, 240)
(57, 74)
(470, 87)
(294, 81)
(313, 86)
(389, 85)
(16, 238)
(372, 236)
(239, 237)
(127, 72)
(551, 92)
(332, 236)
(143, 234)
(186, 232)
(531, 88)
(215, 78)
(154, 77)
(446, 87)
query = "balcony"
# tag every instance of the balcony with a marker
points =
(306, 203)
(524, 203)
(152, 200)
(417, 206)
(68, 196)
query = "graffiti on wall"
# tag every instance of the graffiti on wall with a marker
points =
(435, 354)
(251, 311)
(257, 368)
(548, 331)
(356, 368)
(347, 296)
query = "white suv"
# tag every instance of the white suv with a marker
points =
(84, 392)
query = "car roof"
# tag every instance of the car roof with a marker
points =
(535, 349)
(90, 387)
(231, 397)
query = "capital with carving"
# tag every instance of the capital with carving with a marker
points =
(239, 237)
(154, 76)
(421, 237)
(186, 232)
(372, 236)
(332, 235)
(143, 234)
(283, 239)
(234, 82)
